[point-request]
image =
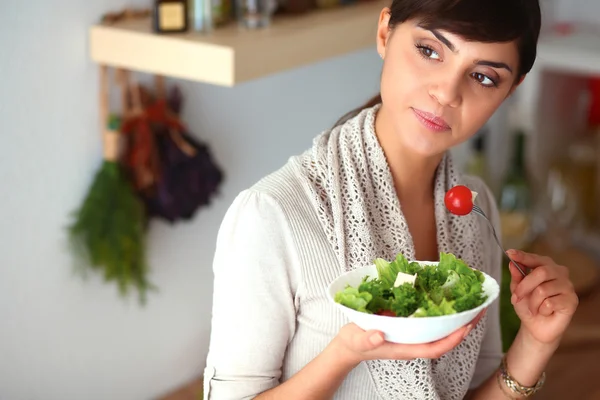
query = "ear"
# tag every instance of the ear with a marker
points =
(383, 31)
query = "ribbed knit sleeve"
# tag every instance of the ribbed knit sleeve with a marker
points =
(254, 306)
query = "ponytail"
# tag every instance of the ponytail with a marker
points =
(351, 114)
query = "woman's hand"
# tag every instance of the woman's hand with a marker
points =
(545, 299)
(356, 345)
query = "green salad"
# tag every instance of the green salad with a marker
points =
(447, 288)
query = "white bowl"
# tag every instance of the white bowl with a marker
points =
(405, 329)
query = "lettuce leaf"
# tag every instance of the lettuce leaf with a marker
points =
(352, 298)
(447, 288)
(430, 309)
(406, 300)
(380, 292)
(388, 271)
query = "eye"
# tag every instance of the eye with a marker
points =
(484, 80)
(427, 52)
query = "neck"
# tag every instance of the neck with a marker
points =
(413, 174)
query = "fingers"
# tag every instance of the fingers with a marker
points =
(544, 292)
(532, 261)
(539, 275)
(546, 308)
(476, 320)
(373, 342)
(515, 275)
(428, 350)
(515, 271)
(563, 303)
(362, 341)
(440, 347)
(373, 339)
(529, 260)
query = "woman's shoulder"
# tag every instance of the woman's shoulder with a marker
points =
(260, 221)
(277, 202)
(285, 186)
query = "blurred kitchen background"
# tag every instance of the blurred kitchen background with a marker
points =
(252, 82)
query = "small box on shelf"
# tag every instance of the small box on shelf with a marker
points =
(170, 16)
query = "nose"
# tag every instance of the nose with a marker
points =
(446, 92)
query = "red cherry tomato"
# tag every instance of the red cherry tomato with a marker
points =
(459, 200)
(386, 313)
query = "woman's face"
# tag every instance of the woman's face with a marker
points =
(437, 88)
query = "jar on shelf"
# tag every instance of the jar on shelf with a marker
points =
(255, 14)
(200, 15)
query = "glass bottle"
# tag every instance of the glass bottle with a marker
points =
(200, 15)
(255, 14)
(477, 163)
(514, 201)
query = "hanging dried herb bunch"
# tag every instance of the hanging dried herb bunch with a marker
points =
(107, 233)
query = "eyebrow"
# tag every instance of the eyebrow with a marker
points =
(452, 48)
(494, 64)
(443, 39)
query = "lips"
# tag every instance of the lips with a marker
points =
(431, 121)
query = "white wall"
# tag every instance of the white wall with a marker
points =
(578, 10)
(61, 339)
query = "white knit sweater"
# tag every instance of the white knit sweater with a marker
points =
(271, 316)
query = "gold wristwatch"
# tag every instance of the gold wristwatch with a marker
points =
(514, 386)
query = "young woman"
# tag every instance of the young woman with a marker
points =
(371, 187)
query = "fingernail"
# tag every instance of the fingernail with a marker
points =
(514, 299)
(469, 328)
(513, 252)
(376, 339)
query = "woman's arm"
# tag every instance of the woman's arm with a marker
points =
(526, 360)
(253, 310)
(545, 301)
(320, 379)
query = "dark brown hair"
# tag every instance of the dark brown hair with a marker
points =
(475, 20)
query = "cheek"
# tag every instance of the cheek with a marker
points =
(476, 110)
(400, 79)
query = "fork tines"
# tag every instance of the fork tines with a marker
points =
(478, 210)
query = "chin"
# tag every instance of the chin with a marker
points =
(427, 151)
(425, 143)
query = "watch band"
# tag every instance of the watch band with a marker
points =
(515, 386)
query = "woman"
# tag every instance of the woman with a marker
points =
(371, 187)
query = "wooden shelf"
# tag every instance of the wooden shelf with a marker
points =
(578, 52)
(231, 55)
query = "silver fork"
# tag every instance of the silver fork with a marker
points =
(480, 212)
